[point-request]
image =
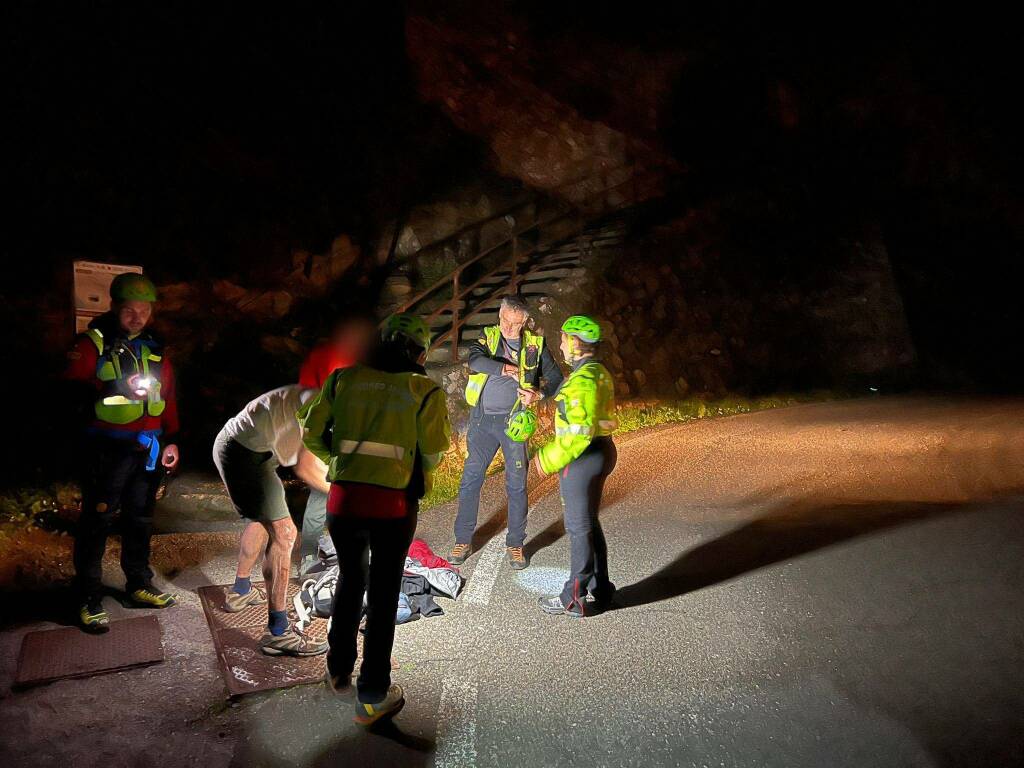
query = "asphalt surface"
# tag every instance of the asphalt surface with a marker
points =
(828, 585)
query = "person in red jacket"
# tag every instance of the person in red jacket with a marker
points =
(349, 341)
(123, 377)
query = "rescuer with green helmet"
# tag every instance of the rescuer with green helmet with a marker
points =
(381, 428)
(583, 455)
(123, 379)
(511, 369)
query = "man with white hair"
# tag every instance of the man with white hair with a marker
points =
(510, 364)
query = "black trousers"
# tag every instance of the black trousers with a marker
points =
(581, 484)
(371, 556)
(114, 481)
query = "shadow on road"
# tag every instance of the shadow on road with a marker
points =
(545, 538)
(790, 531)
(384, 745)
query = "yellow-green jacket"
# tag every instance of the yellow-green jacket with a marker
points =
(584, 409)
(534, 361)
(367, 426)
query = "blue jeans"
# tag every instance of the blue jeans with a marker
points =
(313, 520)
(486, 435)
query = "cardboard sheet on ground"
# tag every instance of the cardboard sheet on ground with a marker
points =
(236, 636)
(56, 654)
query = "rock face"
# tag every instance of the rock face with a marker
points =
(483, 78)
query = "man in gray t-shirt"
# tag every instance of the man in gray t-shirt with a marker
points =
(503, 384)
(252, 445)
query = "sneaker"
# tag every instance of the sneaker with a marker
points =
(234, 602)
(553, 606)
(291, 643)
(515, 558)
(460, 552)
(368, 714)
(93, 618)
(148, 597)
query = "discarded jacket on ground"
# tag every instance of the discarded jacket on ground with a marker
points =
(439, 573)
(426, 576)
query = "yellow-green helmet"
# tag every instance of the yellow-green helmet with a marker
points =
(410, 326)
(582, 327)
(521, 426)
(131, 286)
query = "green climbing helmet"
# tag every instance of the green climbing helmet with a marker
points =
(410, 326)
(131, 286)
(582, 327)
(521, 426)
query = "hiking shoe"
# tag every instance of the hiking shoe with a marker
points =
(368, 714)
(553, 606)
(515, 558)
(93, 618)
(148, 597)
(460, 552)
(291, 643)
(234, 602)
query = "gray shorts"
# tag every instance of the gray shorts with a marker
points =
(251, 480)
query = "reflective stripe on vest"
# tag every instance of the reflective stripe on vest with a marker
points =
(118, 409)
(370, 448)
(573, 429)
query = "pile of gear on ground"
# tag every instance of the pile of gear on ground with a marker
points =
(426, 577)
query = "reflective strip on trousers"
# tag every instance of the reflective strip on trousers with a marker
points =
(370, 448)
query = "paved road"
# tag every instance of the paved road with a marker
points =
(828, 585)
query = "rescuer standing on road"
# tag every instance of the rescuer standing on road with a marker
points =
(583, 454)
(127, 385)
(381, 428)
(263, 436)
(511, 365)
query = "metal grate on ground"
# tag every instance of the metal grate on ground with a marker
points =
(57, 654)
(236, 637)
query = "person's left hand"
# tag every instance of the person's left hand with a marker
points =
(528, 396)
(169, 457)
(537, 466)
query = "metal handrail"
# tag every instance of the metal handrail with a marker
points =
(533, 199)
(454, 277)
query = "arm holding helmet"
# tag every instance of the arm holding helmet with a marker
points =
(574, 422)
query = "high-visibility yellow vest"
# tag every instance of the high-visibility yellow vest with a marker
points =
(111, 368)
(367, 425)
(491, 338)
(584, 409)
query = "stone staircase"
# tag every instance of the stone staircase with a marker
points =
(533, 279)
